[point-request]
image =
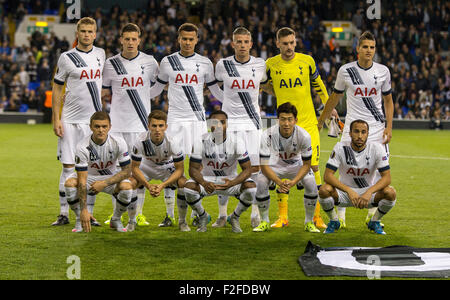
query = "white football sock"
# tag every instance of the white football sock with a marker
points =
(384, 206)
(90, 202)
(182, 206)
(63, 206)
(341, 213)
(263, 207)
(169, 200)
(328, 207)
(246, 199)
(223, 204)
(73, 201)
(123, 199)
(309, 203)
(140, 199)
(132, 207)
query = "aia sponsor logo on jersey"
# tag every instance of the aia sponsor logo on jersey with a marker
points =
(102, 165)
(365, 92)
(290, 83)
(156, 160)
(216, 165)
(243, 84)
(186, 79)
(285, 155)
(132, 82)
(358, 172)
(91, 74)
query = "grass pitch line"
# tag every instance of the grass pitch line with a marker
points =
(408, 156)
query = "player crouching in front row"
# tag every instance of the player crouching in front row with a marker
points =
(214, 171)
(358, 162)
(155, 156)
(286, 153)
(96, 158)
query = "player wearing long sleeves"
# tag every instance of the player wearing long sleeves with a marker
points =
(291, 75)
(286, 160)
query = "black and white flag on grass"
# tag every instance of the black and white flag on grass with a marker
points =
(392, 261)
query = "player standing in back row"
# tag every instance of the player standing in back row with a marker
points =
(292, 75)
(242, 75)
(368, 87)
(186, 72)
(129, 76)
(80, 69)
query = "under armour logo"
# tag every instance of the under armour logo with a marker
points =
(277, 72)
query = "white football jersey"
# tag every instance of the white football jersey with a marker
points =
(101, 159)
(284, 152)
(221, 160)
(145, 151)
(358, 169)
(364, 89)
(241, 83)
(82, 73)
(130, 81)
(186, 77)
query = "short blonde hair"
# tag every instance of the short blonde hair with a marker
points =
(86, 21)
(242, 31)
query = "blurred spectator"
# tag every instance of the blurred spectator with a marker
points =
(24, 77)
(436, 121)
(13, 103)
(412, 40)
(31, 100)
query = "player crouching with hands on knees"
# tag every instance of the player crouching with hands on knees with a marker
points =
(95, 163)
(357, 162)
(214, 171)
(157, 156)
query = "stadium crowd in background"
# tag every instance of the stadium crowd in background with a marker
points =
(412, 40)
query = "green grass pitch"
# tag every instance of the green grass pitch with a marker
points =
(32, 249)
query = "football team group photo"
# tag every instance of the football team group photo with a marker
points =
(260, 132)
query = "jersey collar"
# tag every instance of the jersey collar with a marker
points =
(365, 69)
(242, 63)
(179, 52)
(102, 143)
(76, 48)
(130, 59)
